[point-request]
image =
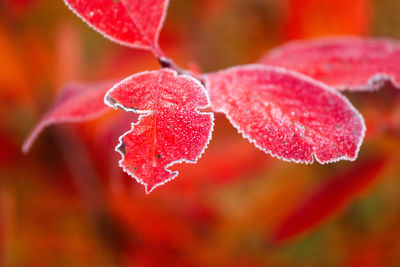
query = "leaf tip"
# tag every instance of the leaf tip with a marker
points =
(149, 187)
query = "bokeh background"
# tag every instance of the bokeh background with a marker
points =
(67, 203)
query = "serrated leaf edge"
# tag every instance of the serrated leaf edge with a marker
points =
(303, 77)
(141, 113)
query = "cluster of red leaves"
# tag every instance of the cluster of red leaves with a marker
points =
(195, 221)
(292, 116)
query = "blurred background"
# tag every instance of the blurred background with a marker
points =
(67, 203)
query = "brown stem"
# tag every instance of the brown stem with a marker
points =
(166, 62)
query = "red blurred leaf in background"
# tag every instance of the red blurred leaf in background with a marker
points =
(286, 114)
(134, 23)
(77, 102)
(170, 129)
(352, 63)
(330, 199)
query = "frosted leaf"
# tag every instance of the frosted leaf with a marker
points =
(135, 23)
(286, 114)
(170, 128)
(346, 63)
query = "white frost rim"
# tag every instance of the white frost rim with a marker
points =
(307, 79)
(328, 40)
(372, 84)
(116, 105)
(131, 45)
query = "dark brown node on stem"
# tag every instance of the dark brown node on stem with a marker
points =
(122, 148)
(111, 100)
(168, 63)
(165, 62)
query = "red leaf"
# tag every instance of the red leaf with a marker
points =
(77, 102)
(286, 114)
(330, 199)
(352, 63)
(170, 129)
(134, 23)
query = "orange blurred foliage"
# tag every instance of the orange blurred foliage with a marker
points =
(311, 18)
